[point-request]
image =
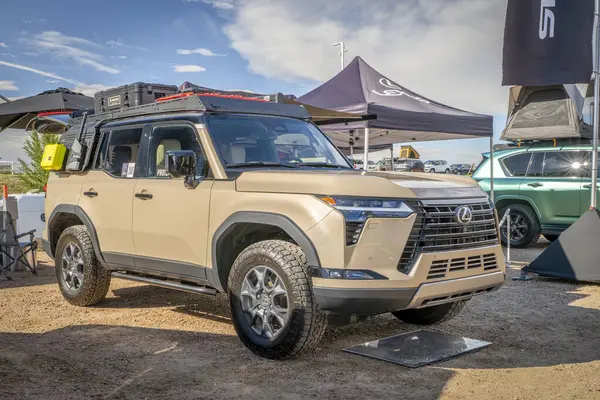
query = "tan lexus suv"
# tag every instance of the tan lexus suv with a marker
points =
(251, 199)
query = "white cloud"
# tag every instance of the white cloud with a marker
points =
(81, 87)
(117, 44)
(449, 51)
(39, 72)
(189, 68)
(201, 51)
(11, 55)
(62, 46)
(2, 44)
(8, 85)
(33, 21)
(90, 90)
(222, 4)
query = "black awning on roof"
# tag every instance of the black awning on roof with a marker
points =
(17, 114)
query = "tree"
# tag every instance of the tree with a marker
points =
(32, 174)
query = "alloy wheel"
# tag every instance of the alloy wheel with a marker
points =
(265, 302)
(518, 227)
(72, 267)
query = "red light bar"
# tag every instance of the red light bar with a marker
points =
(227, 96)
(47, 113)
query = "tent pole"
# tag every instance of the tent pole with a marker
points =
(366, 157)
(492, 167)
(594, 194)
(392, 158)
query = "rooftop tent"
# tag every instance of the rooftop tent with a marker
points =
(545, 112)
(17, 114)
(401, 115)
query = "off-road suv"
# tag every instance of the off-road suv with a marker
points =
(250, 198)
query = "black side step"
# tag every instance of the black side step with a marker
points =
(166, 283)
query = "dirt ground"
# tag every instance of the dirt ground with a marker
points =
(144, 342)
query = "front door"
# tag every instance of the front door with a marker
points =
(553, 183)
(170, 221)
(586, 186)
(107, 193)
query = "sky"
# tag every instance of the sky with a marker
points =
(447, 50)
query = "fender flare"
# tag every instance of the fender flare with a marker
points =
(78, 211)
(522, 198)
(264, 218)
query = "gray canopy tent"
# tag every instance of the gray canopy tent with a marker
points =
(402, 115)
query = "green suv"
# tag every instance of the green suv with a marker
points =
(546, 189)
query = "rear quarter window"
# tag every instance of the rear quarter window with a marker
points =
(516, 165)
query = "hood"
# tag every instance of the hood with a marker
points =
(358, 183)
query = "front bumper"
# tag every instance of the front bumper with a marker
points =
(377, 301)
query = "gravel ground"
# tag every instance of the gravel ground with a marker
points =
(144, 342)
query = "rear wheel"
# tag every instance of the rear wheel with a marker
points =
(82, 280)
(431, 315)
(272, 304)
(524, 226)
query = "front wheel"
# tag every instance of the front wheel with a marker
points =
(432, 171)
(272, 304)
(430, 315)
(447, 171)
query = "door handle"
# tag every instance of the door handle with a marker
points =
(535, 184)
(143, 196)
(587, 186)
(90, 193)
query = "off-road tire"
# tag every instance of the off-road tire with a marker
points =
(432, 171)
(307, 322)
(431, 315)
(96, 278)
(551, 238)
(533, 223)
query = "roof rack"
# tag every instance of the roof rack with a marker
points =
(208, 102)
(578, 141)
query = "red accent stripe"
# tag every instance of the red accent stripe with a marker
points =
(227, 96)
(45, 114)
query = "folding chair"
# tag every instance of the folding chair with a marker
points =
(13, 252)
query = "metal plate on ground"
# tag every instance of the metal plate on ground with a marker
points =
(418, 348)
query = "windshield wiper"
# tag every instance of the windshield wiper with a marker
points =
(259, 164)
(320, 164)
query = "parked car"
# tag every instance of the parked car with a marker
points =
(195, 196)
(405, 164)
(546, 189)
(437, 166)
(461, 169)
(358, 164)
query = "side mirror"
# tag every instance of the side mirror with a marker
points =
(180, 163)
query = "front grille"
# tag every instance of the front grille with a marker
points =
(440, 268)
(436, 230)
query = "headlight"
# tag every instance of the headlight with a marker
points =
(359, 209)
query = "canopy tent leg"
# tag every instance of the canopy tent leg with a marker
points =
(392, 158)
(366, 158)
(492, 167)
(596, 121)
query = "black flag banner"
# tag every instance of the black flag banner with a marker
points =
(548, 42)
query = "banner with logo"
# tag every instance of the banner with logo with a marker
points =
(548, 42)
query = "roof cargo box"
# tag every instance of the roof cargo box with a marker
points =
(132, 95)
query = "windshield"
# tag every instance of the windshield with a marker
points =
(266, 141)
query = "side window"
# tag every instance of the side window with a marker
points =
(563, 164)
(118, 152)
(169, 138)
(516, 165)
(537, 164)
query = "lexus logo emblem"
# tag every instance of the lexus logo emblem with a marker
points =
(464, 215)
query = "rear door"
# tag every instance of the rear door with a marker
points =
(507, 180)
(107, 193)
(553, 183)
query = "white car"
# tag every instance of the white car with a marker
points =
(437, 166)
